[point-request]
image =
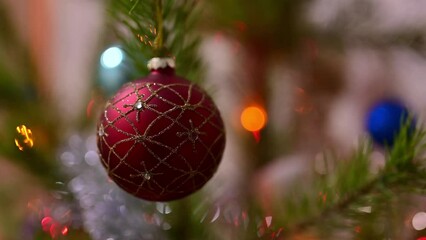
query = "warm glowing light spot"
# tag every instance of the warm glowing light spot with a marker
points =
(46, 223)
(256, 135)
(253, 118)
(419, 221)
(268, 221)
(358, 229)
(112, 57)
(89, 108)
(64, 231)
(53, 230)
(324, 198)
(240, 26)
(26, 137)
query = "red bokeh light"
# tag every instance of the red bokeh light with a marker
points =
(64, 231)
(46, 222)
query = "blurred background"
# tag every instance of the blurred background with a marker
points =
(310, 69)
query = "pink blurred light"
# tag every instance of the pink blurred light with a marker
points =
(46, 223)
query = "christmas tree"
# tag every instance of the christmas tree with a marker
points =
(162, 119)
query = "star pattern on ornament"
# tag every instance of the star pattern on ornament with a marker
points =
(140, 105)
(147, 177)
(192, 134)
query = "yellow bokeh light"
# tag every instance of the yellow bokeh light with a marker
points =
(26, 137)
(253, 118)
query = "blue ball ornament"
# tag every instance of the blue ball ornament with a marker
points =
(385, 120)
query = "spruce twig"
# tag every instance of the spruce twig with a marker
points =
(401, 167)
(133, 7)
(159, 28)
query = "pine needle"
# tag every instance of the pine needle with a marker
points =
(159, 28)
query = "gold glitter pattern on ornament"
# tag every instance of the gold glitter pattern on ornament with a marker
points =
(192, 134)
(145, 177)
(139, 105)
(101, 131)
(26, 137)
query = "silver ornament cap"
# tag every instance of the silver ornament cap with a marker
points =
(157, 63)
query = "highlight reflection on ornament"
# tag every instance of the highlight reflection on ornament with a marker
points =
(26, 137)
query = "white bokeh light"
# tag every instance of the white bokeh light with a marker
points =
(112, 57)
(419, 221)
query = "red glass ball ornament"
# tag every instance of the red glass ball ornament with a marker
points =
(161, 138)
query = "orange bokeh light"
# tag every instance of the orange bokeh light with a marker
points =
(253, 118)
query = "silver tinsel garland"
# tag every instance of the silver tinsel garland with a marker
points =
(108, 212)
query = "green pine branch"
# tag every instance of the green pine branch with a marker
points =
(159, 28)
(352, 183)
